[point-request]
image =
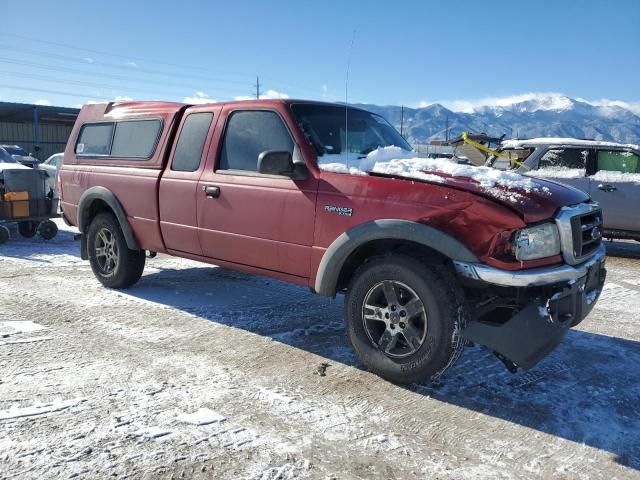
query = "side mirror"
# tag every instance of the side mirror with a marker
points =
(276, 162)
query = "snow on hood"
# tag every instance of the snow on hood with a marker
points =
(393, 160)
(12, 166)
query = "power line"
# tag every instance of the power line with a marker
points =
(56, 92)
(112, 54)
(116, 66)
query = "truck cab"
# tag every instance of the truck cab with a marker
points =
(428, 254)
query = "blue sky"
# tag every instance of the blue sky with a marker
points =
(415, 52)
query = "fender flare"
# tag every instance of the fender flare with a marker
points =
(392, 229)
(101, 193)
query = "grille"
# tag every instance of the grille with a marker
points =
(587, 234)
(580, 229)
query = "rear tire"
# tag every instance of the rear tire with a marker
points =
(4, 234)
(112, 262)
(48, 229)
(27, 229)
(413, 337)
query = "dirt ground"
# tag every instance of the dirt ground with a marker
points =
(200, 372)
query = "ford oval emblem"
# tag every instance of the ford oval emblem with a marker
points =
(595, 233)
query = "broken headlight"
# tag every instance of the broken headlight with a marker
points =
(536, 242)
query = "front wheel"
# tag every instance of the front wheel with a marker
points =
(404, 318)
(112, 262)
(48, 229)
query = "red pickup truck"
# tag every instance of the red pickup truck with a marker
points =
(429, 257)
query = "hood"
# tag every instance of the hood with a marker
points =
(535, 200)
(25, 159)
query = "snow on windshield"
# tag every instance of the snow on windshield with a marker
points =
(393, 160)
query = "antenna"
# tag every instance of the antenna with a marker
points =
(346, 100)
(257, 85)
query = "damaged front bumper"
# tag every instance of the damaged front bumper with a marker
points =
(560, 298)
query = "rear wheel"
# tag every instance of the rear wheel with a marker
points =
(404, 318)
(27, 229)
(48, 229)
(4, 234)
(112, 262)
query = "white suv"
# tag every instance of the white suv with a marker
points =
(609, 172)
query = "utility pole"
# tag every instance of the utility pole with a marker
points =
(447, 130)
(402, 121)
(257, 85)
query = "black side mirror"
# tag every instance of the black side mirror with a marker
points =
(276, 162)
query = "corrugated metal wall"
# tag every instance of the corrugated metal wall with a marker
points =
(52, 137)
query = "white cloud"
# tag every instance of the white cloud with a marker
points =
(131, 64)
(605, 102)
(122, 98)
(43, 101)
(199, 98)
(88, 59)
(268, 95)
(542, 101)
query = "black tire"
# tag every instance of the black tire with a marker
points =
(115, 266)
(441, 319)
(48, 229)
(27, 229)
(4, 234)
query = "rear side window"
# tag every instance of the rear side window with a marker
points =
(574, 158)
(625, 162)
(95, 139)
(191, 142)
(129, 139)
(248, 134)
(136, 139)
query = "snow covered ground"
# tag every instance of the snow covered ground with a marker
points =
(200, 372)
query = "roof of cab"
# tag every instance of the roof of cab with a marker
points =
(132, 108)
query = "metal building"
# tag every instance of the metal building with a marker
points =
(31, 126)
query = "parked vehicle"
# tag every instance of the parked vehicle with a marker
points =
(18, 154)
(52, 165)
(608, 172)
(425, 263)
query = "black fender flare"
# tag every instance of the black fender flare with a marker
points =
(107, 196)
(392, 229)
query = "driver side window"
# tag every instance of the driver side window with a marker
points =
(248, 134)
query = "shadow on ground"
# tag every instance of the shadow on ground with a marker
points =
(586, 391)
(623, 248)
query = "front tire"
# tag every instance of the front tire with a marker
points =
(112, 262)
(404, 318)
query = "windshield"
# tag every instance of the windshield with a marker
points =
(505, 160)
(324, 126)
(15, 151)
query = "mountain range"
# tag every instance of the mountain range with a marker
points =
(541, 116)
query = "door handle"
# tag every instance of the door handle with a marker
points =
(605, 187)
(211, 191)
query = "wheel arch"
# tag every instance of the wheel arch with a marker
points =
(96, 200)
(353, 247)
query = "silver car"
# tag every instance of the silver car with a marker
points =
(609, 172)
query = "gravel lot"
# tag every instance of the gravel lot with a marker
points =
(200, 372)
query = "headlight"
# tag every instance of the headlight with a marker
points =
(537, 242)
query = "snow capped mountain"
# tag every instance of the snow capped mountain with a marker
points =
(521, 116)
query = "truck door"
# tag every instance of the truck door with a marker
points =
(245, 217)
(565, 165)
(179, 183)
(616, 187)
